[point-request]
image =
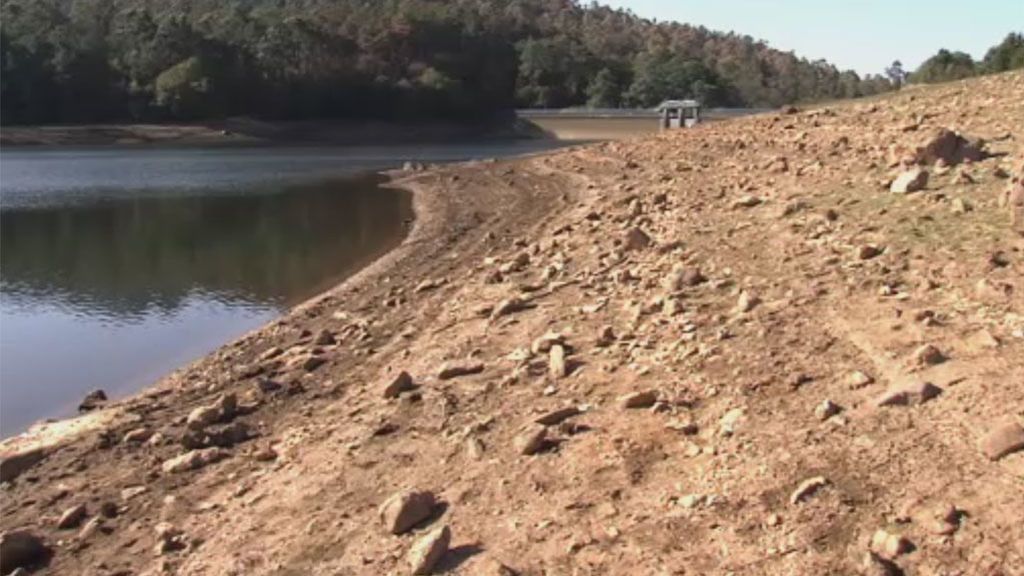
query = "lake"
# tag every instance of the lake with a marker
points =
(119, 265)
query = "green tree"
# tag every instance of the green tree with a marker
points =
(604, 90)
(1008, 55)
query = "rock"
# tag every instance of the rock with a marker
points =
(91, 528)
(324, 338)
(71, 517)
(949, 147)
(137, 436)
(908, 394)
(606, 337)
(168, 539)
(429, 550)
(556, 362)
(93, 400)
(912, 180)
(748, 201)
(532, 440)
(928, 355)
(225, 436)
(20, 549)
(961, 206)
(132, 491)
(558, 416)
(868, 251)
(747, 302)
(634, 400)
(15, 463)
(311, 362)
(194, 460)
(807, 488)
(222, 410)
(637, 239)
(1003, 441)
(827, 409)
(509, 306)
(857, 380)
(401, 383)
(544, 343)
(404, 510)
(457, 369)
(889, 545)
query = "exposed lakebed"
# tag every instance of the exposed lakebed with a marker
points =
(119, 265)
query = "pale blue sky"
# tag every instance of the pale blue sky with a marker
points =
(865, 35)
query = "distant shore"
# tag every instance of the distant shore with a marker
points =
(248, 132)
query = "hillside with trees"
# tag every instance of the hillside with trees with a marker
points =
(68, 61)
(949, 65)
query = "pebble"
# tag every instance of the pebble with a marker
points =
(807, 488)
(531, 440)
(858, 380)
(194, 460)
(634, 400)
(556, 362)
(908, 394)
(889, 545)
(457, 369)
(827, 409)
(556, 417)
(928, 355)
(401, 383)
(71, 517)
(428, 550)
(404, 510)
(1003, 441)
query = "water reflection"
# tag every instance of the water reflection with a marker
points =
(114, 289)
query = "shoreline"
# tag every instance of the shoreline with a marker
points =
(246, 132)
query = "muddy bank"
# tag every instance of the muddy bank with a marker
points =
(243, 131)
(738, 334)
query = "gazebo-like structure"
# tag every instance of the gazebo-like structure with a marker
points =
(679, 114)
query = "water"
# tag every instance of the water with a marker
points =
(119, 265)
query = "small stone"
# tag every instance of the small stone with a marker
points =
(637, 239)
(312, 361)
(857, 380)
(169, 539)
(194, 460)
(888, 545)
(93, 400)
(747, 302)
(429, 550)
(91, 528)
(773, 520)
(137, 436)
(404, 510)
(509, 306)
(1003, 441)
(928, 355)
(71, 517)
(324, 338)
(868, 251)
(827, 409)
(634, 400)
(727, 424)
(909, 394)
(20, 549)
(807, 488)
(457, 369)
(132, 491)
(545, 342)
(556, 362)
(401, 383)
(532, 440)
(912, 180)
(558, 416)
(748, 201)
(606, 337)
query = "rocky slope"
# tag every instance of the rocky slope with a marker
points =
(728, 350)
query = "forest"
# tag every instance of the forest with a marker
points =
(76, 61)
(949, 65)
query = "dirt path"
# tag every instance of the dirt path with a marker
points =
(704, 321)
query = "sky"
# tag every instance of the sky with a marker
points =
(863, 35)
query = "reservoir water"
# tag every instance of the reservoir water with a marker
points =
(118, 265)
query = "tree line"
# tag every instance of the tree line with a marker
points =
(949, 65)
(68, 61)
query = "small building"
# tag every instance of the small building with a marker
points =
(679, 113)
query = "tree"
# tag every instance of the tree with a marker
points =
(1008, 55)
(944, 67)
(604, 90)
(897, 76)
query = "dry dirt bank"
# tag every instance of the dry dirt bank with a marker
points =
(698, 353)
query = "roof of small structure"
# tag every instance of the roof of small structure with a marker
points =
(678, 104)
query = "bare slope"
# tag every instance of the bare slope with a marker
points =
(726, 331)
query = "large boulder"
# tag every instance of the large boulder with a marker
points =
(21, 549)
(950, 147)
